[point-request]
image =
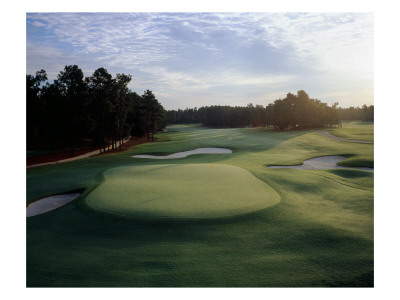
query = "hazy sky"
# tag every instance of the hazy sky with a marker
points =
(198, 59)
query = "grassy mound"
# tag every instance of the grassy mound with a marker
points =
(355, 130)
(321, 233)
(181, 191)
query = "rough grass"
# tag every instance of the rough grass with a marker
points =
(354, 130)
(319, 234)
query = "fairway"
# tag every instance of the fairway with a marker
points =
(181, 223)
(181, 191)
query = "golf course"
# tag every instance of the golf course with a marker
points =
(211, 219)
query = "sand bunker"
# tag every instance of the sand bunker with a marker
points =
(322, 163)
(187, 153)
(49, 203)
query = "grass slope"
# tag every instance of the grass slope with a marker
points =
(181, 191)
(319, 234)
(354, 130)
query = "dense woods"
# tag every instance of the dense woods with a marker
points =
(293, 112)
(99, 110)
(364, 113)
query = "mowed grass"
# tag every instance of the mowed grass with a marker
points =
(181, 191)
(354, 130)
(319, 234)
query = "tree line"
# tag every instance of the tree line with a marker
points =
(98, 108)
(364, 113)
(293, 112)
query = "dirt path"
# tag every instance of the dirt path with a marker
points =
(328, 135)
(66, 160)
(125, 145)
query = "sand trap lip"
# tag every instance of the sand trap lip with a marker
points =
(49, 203)
(322, 163)
(187, 153)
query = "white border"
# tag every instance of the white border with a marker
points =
(386, 148)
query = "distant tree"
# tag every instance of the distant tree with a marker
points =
(153, 114)
(172, 117)
(332, 115)
(54, 122)
(367, 113)
(269, 114)
(100, 86)
(293, 112)
(121, 94)
(72, 88)
(135, 114)
(35, 106)
(364, 113)
(97, 108)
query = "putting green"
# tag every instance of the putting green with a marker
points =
(181, 191)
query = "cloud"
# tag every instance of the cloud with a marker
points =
(331, 42)
(205, 53)
(38, 24)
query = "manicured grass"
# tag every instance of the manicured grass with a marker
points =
(181, 191)
(354, 130)
(320, 233)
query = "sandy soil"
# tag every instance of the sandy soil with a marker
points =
(322, 163)
(54, 158)
(49, 203)
(187, 153)
(328, 135)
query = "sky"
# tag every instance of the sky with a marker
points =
(202, 59)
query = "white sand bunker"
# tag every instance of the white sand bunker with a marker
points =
(49, 203)
(322, 163)
(187, 153)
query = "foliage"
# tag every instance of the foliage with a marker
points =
(293, 112)
(99, 108)
(34, 104)
(364, 113)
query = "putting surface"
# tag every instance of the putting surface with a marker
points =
(181, 191)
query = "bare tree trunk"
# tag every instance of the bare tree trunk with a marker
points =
(71, 137)
(100, 140)
(72, 146)
(103, 135)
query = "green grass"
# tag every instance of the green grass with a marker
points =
(320, 233)
(181, 191)
(354, 130)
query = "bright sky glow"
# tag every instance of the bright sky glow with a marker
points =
(199, 59)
